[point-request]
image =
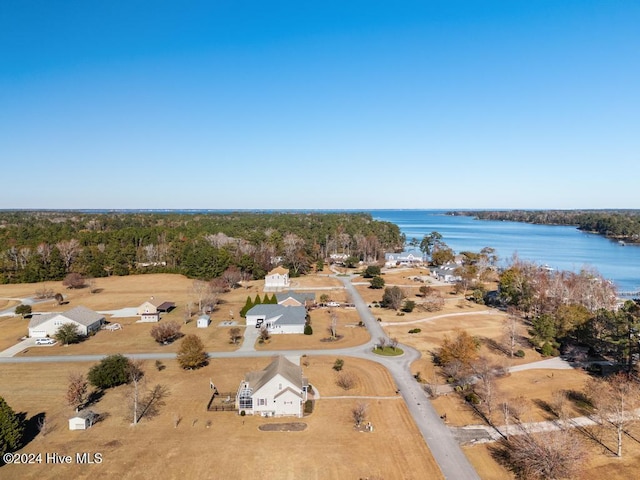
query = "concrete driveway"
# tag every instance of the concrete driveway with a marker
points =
(18, 347)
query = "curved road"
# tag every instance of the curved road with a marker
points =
(446, 451)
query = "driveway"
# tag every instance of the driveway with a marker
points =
(18, 347)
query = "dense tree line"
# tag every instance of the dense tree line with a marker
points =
(47, 245)
(615, 224)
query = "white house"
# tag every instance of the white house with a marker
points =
(83, 420)
(413, 257)
(276, 280)
(47, 325)
(203, 321)
(279, 390)
(277, 318)
(446, 272)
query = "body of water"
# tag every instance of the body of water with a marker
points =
(560, 247)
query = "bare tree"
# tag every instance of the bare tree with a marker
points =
(510, 329)
(346, 380)
(74, 280)
(615, 400)
(77, 390)
(236, 334)
(188, 312)
(334, 323)
(486, 373)
(69, 250)
(359, 413)
(200, 290)
(393, 343)
(136, 376)
(551, 455)
(165, 332)
(231, 277)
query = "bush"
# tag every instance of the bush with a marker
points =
(371, 271)
(346, 381)
(408, 306)
(242, 413)
(338, 364)
(472, 398)
(308, 406)
(519, 354)
(415, 330)
(308, 330)
(377, 282)
(548, 350)
(110, 372)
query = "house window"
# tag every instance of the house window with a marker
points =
(262, 402)
(279, 386)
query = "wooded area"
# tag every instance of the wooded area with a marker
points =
(617, 224)
(38, 246)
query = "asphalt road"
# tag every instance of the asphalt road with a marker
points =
(446, 451)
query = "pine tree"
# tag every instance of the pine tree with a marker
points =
(258, 300)
(11, 428)
(247, 306)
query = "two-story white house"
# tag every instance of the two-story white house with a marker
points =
(279, 390)
(277, 280)
(414, 257)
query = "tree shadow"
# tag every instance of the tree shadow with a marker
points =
(494, 346)
(546, 407)
(31, 426)
(581, 402)
(93, 398)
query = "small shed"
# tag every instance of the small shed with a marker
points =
(83, 420)
(203, 321)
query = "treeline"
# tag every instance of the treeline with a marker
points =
(38, 246)
(616, 224)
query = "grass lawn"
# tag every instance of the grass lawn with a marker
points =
(222, 444)
(388, 351)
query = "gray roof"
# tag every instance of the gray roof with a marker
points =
(300, 297)
(281, 314)
(280, 366)
(81, 315)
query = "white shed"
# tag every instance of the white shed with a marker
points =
(83, 420)
(203, 321)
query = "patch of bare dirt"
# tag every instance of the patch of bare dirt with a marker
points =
(283, 427)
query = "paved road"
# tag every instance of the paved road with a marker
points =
(440, 440)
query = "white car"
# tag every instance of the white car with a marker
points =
(45, 341)
(333, 304)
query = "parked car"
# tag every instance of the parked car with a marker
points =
(333, 304)
(45, 341)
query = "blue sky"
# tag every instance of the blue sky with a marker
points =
(355, 105)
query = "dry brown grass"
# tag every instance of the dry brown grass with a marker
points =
(231, 446)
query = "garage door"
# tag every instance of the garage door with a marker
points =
(37, 333)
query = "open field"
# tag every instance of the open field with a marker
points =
(347, 328)
(115, 293)
(222, 444)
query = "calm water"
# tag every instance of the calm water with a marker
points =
(563, 248)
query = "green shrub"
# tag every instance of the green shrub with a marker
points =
(415, 330)
(242, 413)
(338, 364)
(548, 350)
(308, 406)
(472, 398)
(519, 354)
(308, 330)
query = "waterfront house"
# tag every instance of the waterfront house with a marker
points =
(408, 258)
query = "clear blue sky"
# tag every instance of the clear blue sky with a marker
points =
(333, 104)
